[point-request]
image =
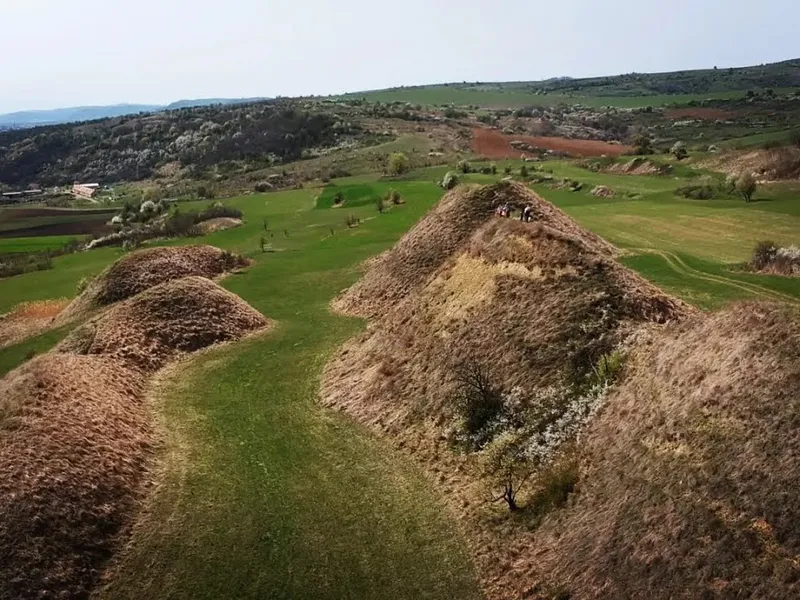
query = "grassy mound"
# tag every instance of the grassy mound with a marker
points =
(144, 269)
(537, 304)
(441, 233)
(688, 489)
(182, 315)
(74, 442)
(75, 432)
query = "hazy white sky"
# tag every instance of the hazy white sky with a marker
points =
(57, 53)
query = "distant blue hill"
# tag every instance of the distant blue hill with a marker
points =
(33, 118)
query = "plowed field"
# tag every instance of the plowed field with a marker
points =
(493, 144)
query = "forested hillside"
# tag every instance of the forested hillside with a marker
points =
(133, 148)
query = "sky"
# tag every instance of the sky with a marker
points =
(57, 53)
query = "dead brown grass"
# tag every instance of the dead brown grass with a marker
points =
(774, 164)
(439, 235)
(537, 302)
(218, 224)
(636, 166)
(76, 434)
(73, 455)
(28, 319)
(144, 269)
(687, 479)
(690, 474)
(178, 316)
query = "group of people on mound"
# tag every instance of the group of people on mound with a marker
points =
(505, 210)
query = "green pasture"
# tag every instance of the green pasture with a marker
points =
(262, 493)
(34, 244)
(514, 97)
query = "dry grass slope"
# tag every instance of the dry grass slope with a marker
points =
(75, 429)
(182, 315)
(538, 302)
(442, 232)
(74, 443)
(691, 472)
(144, 269)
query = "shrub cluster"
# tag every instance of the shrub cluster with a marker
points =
(27, 262)
(449, 181)
(769, 257)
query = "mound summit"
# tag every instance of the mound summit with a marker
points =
(682, 475)
(76, 433)
(182, 315)
(146, 268)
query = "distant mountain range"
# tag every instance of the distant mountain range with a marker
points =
(34, 118)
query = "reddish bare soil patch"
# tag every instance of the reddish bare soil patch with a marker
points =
(707, 114)
(493, 144)
(28, 319)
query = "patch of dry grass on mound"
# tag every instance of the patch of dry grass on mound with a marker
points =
(218, 224)
(774, 164)
(689, 488)
(28, 319)
(442, 232)
(74, 443)
(76, 433)
(530, 301)
(182, 315)
(537, 303)
(144, 269)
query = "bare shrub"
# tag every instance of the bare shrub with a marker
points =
(478, 401)
(679, 151)
(763, 254)
(504, 463)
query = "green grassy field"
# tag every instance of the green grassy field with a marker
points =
(442, 95)
(34, 244)
(264, 494)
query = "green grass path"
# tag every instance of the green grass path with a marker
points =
(262, 493)
(677, 264)
(265, 494)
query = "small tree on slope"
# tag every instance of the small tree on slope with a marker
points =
(505, 464)
(746, 186)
